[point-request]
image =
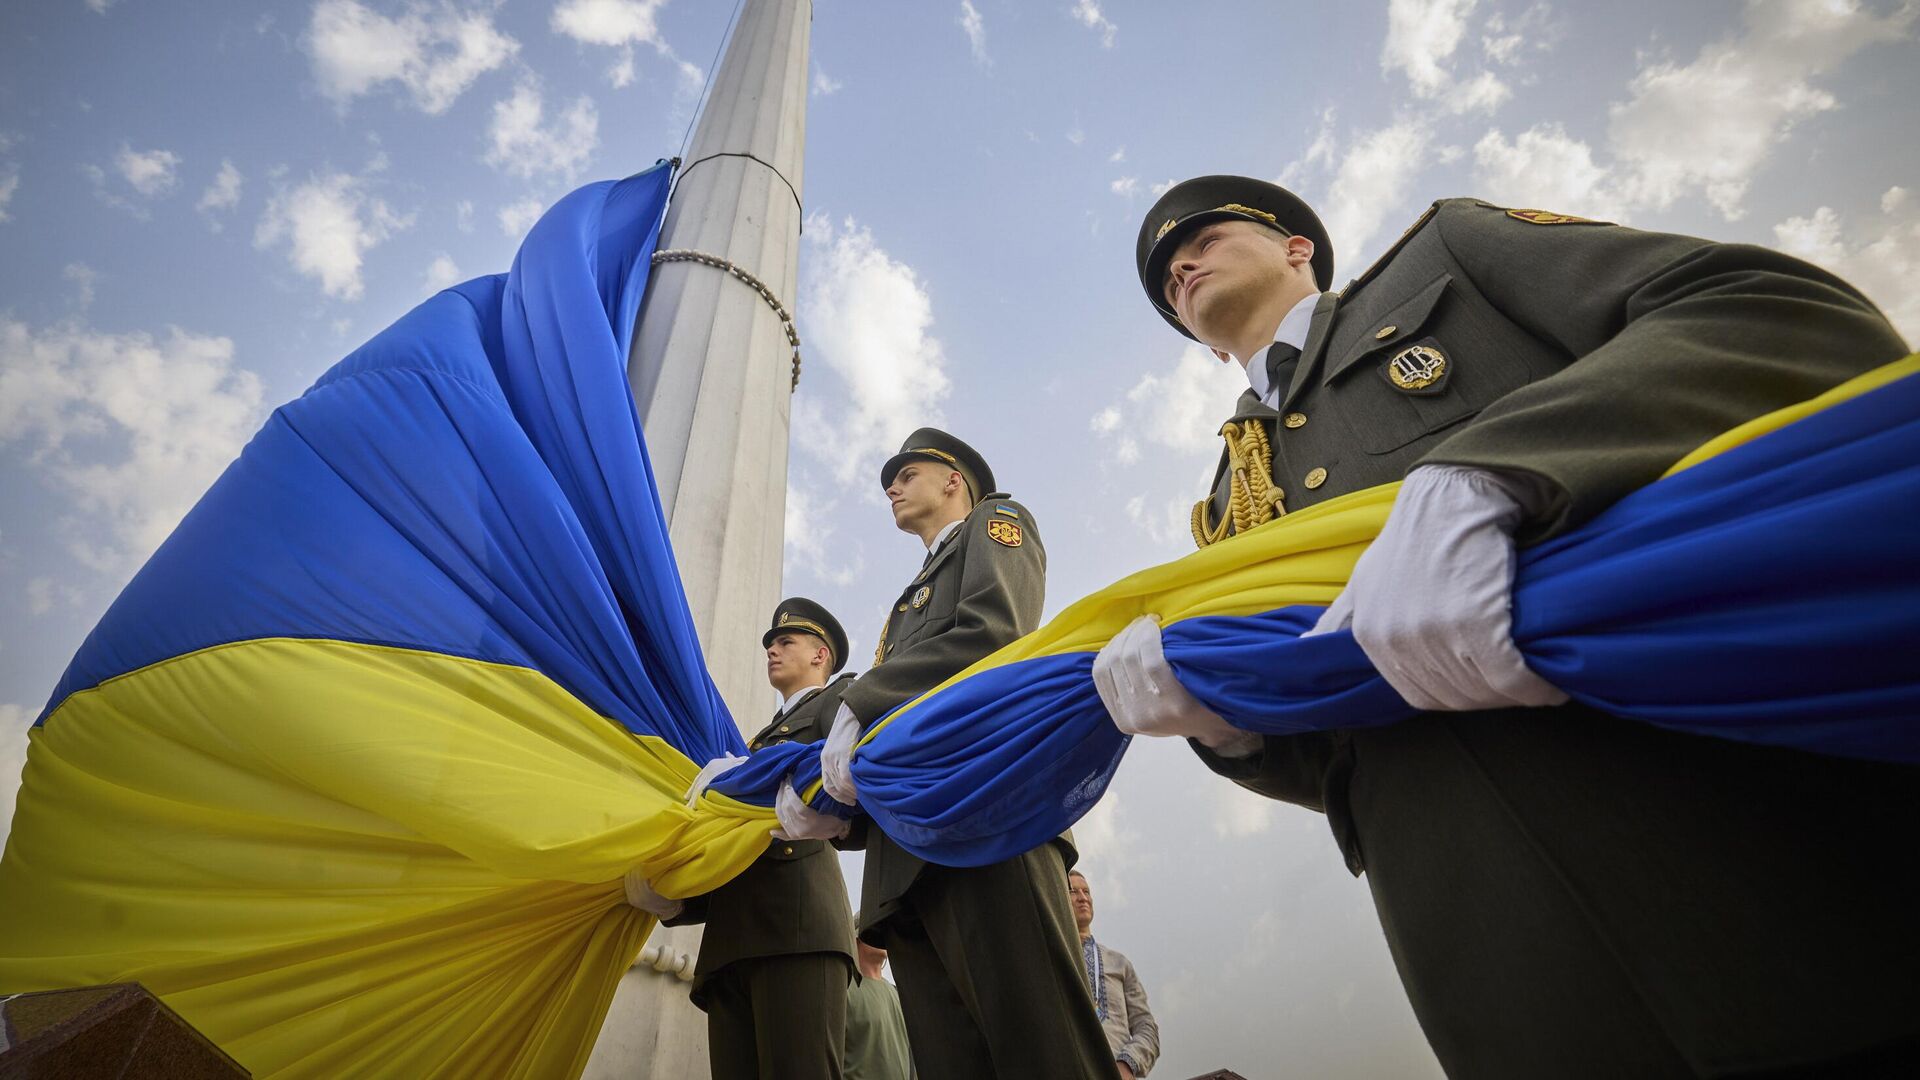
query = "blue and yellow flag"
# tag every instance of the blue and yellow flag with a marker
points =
(1765, 590)
(351, 771)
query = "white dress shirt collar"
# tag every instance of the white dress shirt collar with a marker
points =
(1293, 331)
(800, 695)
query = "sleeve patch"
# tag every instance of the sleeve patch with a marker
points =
(1004, 532)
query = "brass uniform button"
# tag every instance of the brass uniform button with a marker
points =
(1295, 420)
(1384, 332)
(1316, 478)
(788, 850)
(785, 728)
(902, 607)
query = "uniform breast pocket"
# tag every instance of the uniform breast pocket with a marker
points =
(1424, 367)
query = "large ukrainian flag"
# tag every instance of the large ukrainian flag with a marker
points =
(351, 771)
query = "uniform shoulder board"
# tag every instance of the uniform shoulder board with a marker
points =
(1385, 257)
(1548, 217)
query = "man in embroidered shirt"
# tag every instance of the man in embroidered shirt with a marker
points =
(1119, 1000)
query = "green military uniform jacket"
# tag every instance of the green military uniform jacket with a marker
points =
(982, 588)
(1592, 357)
(792, 899)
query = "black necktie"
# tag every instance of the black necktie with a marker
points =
(1280, 358)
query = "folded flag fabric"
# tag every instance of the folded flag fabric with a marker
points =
(1764, 590)
(350, 773)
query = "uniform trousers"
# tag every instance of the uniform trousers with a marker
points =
(779, 1017)
(1569, 894)
(988, 967)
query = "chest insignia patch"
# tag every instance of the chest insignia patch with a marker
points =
(1420, 369)
(921, 597)
(1004, 532)
(1548, 217)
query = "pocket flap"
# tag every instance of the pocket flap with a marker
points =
(1401, 324)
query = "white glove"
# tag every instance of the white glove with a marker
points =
(798, 821)
(1431, 600)
(641, 895)
(836, 757)
(1139, 689)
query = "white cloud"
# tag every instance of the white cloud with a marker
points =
(810, 541)
(1126, 186)
(1119, 155)
(44, 593)
(1077, 137)
(1162, 187)
(441, 272)
(328, 224)
(525, 143)
(150, 172)
(609, 22)
(824, 85)
(621, 24)
(463, 215)
(83, 277)
(223, 193)
(870, 320)
(1181, 409)
(130, 428)
(1091, 17)
(1373, 180)
(1545, 167)
(9, 183)
(436, 52)
(1422, 36)
(14, 720)
(516, 218)
(1881, 259)
(1755, 85)
(1239, 812)
(976, 28)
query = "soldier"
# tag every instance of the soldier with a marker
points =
(987, 957)
(778, 952)
(1565, 893)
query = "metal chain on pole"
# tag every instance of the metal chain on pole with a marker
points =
(754, 283)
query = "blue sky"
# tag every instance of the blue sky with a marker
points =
(203, 206)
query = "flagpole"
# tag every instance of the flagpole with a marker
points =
(713, 367)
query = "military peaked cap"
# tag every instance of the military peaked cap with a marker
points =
(932, 444)
(802, 614)
(1192, 203)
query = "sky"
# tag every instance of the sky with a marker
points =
(204, 206)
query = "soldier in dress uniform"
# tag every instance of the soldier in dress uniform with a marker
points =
(987, 958)
(1565, 893)
(777, 955)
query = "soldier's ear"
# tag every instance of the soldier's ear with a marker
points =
(1299, 250)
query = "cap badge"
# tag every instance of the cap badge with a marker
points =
(921, 597)
(1004, 532)
(1165, 229)
(1418, 370)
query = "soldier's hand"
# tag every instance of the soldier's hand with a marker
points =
(1139, 689)
(641, 895)
(836, 757)
(798, 821)
(1430, 601)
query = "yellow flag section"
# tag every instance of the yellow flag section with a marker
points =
(1302, 558)
(349, 860)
